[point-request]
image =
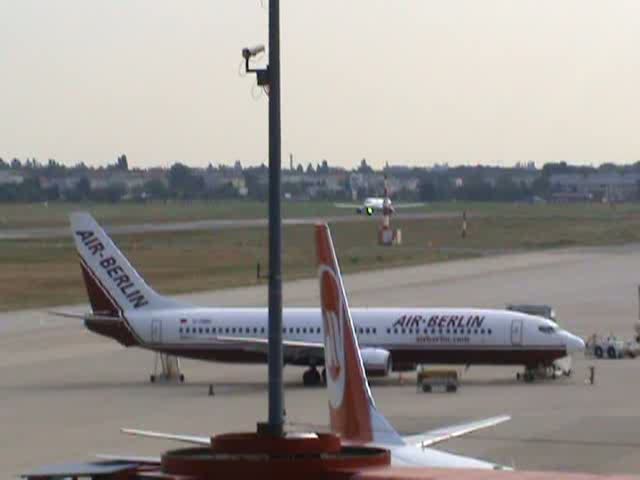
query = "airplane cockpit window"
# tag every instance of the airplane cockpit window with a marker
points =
(548, 329)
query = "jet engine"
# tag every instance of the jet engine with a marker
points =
(376, 361)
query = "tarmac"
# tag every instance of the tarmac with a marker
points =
(65, 392)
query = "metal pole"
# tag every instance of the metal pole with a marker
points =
(276, 394)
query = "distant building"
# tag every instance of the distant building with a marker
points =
(7, 177)
(606, 186)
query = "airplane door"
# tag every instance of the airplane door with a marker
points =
(156, 331)
(516, 332)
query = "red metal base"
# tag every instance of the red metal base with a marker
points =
(240, 456)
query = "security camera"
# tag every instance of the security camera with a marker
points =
(247, 53)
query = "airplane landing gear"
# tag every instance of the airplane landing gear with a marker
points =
(312, 378)
(527, 376)
(166, 369)
(542, 372)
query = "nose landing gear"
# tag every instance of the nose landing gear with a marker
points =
(543, 372)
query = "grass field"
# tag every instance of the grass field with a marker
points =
(37, 273)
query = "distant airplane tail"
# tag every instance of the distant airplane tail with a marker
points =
(352, 411)
(113, 285)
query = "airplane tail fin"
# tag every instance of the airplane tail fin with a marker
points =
(352, 411)
(113, 285)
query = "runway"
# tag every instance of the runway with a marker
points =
(213, 225)
(65, 392)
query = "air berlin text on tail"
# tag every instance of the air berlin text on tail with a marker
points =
(114, 271)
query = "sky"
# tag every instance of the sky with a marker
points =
(414, 82)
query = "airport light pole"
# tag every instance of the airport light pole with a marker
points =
(269, 78)
(276, 390)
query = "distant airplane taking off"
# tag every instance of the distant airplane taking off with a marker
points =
(374, 205)
(381, 205)
(352, 411)
(128, 310)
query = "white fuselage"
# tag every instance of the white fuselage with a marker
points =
(375, 202)
(411, 335)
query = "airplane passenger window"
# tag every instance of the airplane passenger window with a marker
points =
(374, 330)
(290, 329)
(448, 331)
(433, 331)
(180, 330)
(255, 329)
(304, 330)
(213, 330)
(475, 332)
(226, 330)
(297, 330)
(411, 331)
(318, 330)
(482, 332)
(206, 330)
(404, 331)
(366, 330)
(489, 331)
(388, 331)
(395, 331)
(262, 330)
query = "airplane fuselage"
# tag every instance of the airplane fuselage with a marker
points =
(410, 335)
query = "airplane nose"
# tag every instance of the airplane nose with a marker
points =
(574, 343)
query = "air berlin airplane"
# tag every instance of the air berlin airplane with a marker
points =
(128, 310)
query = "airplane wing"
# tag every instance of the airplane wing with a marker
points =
(193, 439)
(293, 347)
(408, 205)
(129, 458)
(259, 342)
(439, 435)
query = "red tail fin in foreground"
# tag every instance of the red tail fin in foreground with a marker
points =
(349, 397)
